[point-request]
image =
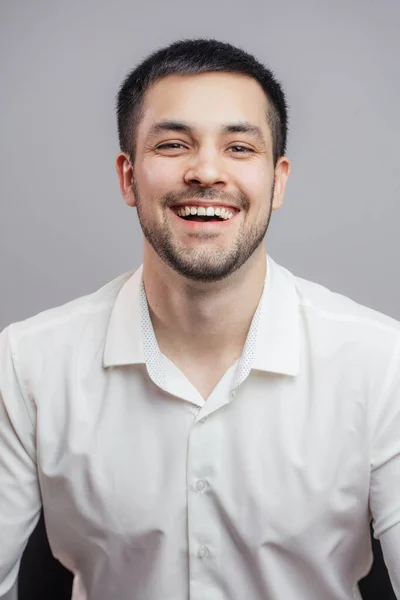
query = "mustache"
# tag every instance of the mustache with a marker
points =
(240, 201)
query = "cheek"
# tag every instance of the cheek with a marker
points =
(256, 184)
(159, 175)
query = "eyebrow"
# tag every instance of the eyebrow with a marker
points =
(179, 126)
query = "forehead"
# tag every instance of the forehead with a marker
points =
(205, 100)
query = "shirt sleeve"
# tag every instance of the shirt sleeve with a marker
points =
(385, 469)
(390, 542)
(20, 501)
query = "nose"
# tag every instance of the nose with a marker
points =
(205, 170)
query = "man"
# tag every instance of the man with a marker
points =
(210, 426)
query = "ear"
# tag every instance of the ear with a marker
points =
(282, 171)
(124, 169)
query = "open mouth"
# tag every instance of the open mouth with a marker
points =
(204, 214)
(201, 218)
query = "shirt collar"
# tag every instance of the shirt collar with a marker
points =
(278, 329)
(124, 344)
(275, 325)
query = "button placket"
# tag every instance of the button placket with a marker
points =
(204, 449)
(201, 485)
(203, 552)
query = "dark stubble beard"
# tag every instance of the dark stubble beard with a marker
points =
(203, 264)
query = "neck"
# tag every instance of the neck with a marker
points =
(196, 320)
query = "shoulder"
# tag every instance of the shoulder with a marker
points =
(319, 303)
(55, 330)
(338, 329)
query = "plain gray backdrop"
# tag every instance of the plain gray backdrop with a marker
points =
(64, 228)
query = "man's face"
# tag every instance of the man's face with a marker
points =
(204, 146)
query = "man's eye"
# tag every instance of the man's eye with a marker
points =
(241, 149)
(173, 145)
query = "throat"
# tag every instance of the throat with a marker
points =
(203, 375)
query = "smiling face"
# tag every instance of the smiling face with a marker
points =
(204, 147)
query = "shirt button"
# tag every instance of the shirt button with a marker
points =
(203, 420)
(203, 552)
(200, 485)
(233, 392)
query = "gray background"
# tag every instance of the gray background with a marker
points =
(65, 230)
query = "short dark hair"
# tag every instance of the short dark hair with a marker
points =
(190, 57)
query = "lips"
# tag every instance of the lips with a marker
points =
(201, 222)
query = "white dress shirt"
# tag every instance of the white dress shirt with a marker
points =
(264, 492)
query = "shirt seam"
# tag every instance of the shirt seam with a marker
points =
(92, 306)
(384, 392)
(346, 317)
(32, 329)
(24, 394)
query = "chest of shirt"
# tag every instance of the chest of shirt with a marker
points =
(283, 458)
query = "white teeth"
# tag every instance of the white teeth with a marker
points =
(210, 211)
